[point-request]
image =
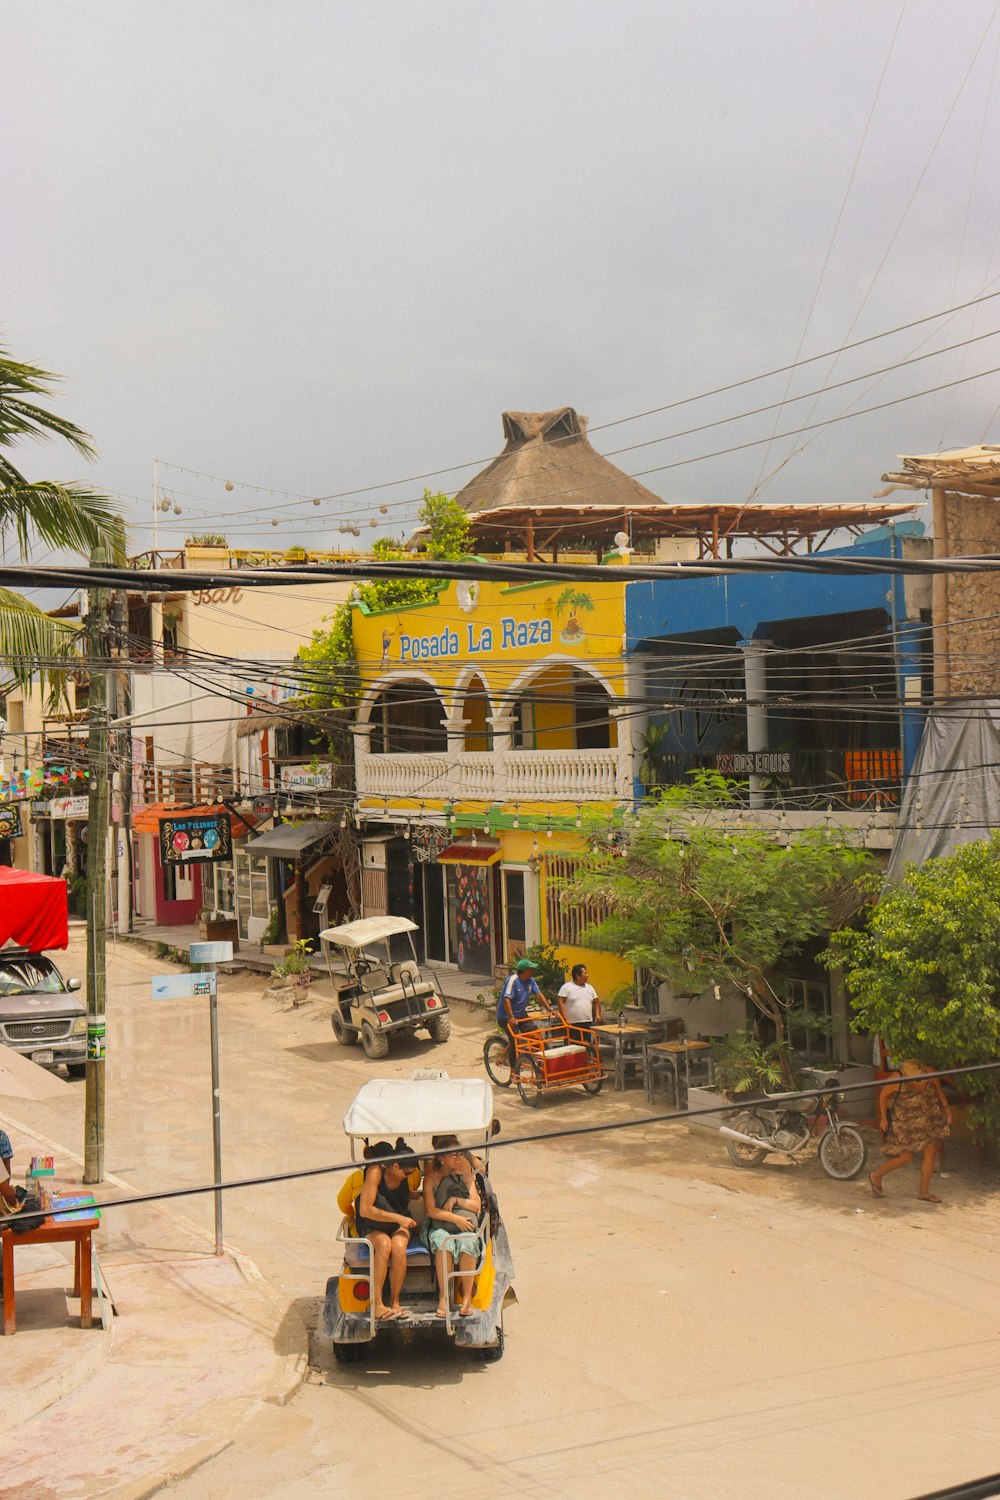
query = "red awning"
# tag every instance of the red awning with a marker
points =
(32, 910)
(465, 852)
(147, 819)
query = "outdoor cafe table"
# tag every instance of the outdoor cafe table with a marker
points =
(629, 1041)
(672, 1052)
(79, 1233)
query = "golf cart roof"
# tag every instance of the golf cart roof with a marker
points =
(368, 930)
(418, 1108)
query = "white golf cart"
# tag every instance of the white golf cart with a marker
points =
(383, 992)
(417, 1109)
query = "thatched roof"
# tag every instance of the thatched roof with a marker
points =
(971, 471)
(548, 460)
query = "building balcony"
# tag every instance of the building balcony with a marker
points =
(498, 775)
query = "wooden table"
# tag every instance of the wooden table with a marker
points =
(628, 1038)
(79, 1233)
(672, 1052)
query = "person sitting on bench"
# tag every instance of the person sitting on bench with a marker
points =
(453, 1206)
(382, 1211)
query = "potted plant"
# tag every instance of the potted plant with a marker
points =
(295, 968)
(744, 1069)
(217, 926)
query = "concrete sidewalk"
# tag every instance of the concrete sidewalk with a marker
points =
(198, 1342)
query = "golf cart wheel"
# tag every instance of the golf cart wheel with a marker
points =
(740, 1154)
(439, 1029)
(344, 1034)
(375, 1043)
(842, 1152)
(494, 1352)
(496, 1058)
(528, 1083)
(347, 1354)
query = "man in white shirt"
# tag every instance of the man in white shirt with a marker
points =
(578, 1002)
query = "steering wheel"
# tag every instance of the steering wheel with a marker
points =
(362, 966)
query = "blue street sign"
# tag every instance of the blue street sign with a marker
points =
(183, 986)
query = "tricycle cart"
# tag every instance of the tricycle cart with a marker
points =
(418, 1109)
(557, 1056)
(382, 994)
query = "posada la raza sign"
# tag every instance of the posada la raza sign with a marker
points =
(202, 838)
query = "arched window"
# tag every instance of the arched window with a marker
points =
(564, 708)
(476, 710)
(407, 718)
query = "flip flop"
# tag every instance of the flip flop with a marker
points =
(928, 1198)
(386, 1317)
(465, 1312)
(876, 1189)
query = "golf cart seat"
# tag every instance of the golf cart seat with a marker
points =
(407, 992)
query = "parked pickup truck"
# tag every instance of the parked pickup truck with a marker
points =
(41, 1015)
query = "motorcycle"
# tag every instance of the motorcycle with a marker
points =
(786, 1123)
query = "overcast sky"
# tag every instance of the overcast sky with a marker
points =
(315, 246)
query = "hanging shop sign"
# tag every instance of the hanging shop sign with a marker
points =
(10, 821)
(306, 778)
(198, 839)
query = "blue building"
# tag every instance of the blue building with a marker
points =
(806, 686)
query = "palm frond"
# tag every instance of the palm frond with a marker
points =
(63, 515)
(32, 645)
(21, 419)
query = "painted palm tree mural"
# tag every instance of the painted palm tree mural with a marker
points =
(577, 602)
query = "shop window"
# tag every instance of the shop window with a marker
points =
(568, 923)
(812, 1035)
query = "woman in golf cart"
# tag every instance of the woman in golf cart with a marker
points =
(382, 1213)
(452, 1205)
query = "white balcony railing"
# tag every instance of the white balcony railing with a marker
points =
(573, 775)
(484, 775)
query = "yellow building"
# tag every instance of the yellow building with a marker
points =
(492, 720)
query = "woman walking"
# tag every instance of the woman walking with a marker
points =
(916, 1118)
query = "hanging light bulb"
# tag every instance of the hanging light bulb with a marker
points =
(407, 832)
(343, 819)
(474, 841)
(316, 808)
(420, 812)
(317, 501)
(178, 511)
(383, 510)
(534, 847)
(579, 820)
(229, 485)
(548, 828)
(517, 821)
(373, 521)
(165, 504)
(452, 819)
(486, 828)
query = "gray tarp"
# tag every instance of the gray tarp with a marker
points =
(952, 796)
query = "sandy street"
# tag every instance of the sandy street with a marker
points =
(682, 1328)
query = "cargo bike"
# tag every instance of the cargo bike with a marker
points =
(419, 1109)
(556, 1056)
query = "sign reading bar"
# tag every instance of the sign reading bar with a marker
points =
(196, 839)
(10, 821)
(754, 763)
(182, 986)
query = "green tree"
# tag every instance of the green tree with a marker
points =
(61, 515)
(699, 895)
(331, 652)
(924, 971)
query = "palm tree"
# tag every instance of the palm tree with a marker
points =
(62, 515)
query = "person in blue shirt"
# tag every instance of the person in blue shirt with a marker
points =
(518, 989)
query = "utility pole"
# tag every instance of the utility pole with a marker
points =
(98, 761)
